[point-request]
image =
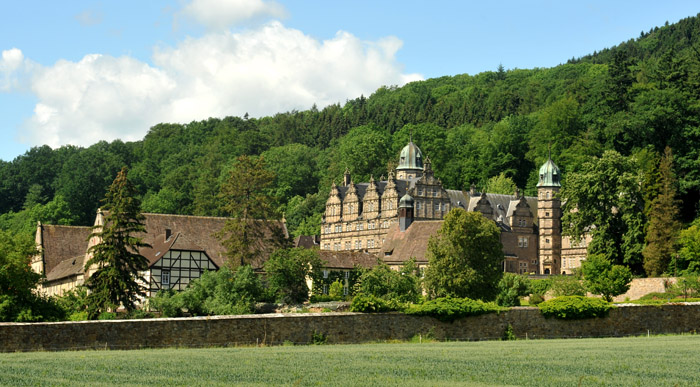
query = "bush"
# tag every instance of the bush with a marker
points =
(449, 309)
(510, 288)
(564, 285)
(574, 307)
(167, 302)
(381, 281)
(540, 286)
(367, 303)
(536, 299)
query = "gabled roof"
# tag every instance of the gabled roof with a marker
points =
(504, 205)
(195, 233)
(64, 247)
(60, 246)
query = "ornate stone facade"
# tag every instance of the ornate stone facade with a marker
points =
(383, 217)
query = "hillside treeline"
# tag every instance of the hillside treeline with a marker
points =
(635, 98)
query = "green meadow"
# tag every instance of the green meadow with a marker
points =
(645, 361)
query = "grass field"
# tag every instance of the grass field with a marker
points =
(654, 361)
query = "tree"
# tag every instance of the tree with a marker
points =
(604, 278)
(604, 199)
(252, 230)
(663, 226)
(510, 288)
(399, 285)
(287, 270)
(116, 260)
(18, 302)
(465, 257)
(500, 184)
(688, 258)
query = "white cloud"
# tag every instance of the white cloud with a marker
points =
(223, 14)
(13, 67)
(262, 71)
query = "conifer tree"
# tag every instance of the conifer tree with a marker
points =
(116, 260)
(252, 229)
(663, 226)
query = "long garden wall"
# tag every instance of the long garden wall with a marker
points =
(337, 328)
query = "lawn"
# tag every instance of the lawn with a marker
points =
(658, 360)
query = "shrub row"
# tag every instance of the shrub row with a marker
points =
(449, 309)
(575, 307)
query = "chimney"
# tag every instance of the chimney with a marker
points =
(168, 233)
(346, 177)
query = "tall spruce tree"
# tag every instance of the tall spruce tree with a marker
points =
(116, 260)
(663, 226)
(253, 230)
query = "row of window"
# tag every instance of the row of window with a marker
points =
(351, 209)
(357, 245)
(438, 206)
(428, 191)
(360, 227)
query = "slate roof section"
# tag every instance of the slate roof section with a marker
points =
(399, 246)
(307, 241)
(504, 205)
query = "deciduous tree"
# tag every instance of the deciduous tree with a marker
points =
(465, 257)
(604, 278)
(604, 198)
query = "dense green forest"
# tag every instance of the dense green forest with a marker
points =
(635, 98)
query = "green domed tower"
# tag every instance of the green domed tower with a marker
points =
(549, 216)
(410, 162)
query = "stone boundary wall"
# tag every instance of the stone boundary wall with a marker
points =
(274, 329)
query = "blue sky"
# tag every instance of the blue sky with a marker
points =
(82, 71)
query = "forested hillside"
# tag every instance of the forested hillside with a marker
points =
(635, 98)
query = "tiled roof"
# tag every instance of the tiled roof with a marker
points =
(62, 245)
(347, 259)
(400, 246)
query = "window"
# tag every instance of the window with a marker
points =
(371, 207)
(325, 289)
(357, 245)
(546, 240)
(352, 208)
(165, 277)
(417, 205)
(347, 245)
(522, 241)
(547, 194)
(360, 226)
(437, 207)
(332, 211)
(325, 273)
(420, 192)
(434, 192)
(546, 214)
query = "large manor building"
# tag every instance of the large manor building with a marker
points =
(394, 218)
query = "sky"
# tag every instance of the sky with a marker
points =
(81, 71)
